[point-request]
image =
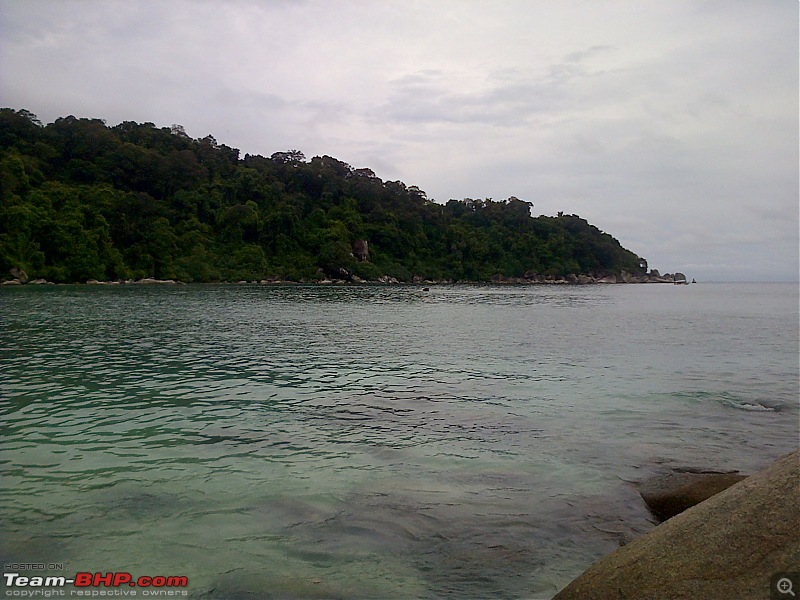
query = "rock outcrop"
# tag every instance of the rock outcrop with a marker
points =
(729, 546)
(361, 250)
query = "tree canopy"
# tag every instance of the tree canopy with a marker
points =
(81, 200)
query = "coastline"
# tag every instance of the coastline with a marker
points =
(623, 278)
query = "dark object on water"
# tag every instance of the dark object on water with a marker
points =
(426, 289)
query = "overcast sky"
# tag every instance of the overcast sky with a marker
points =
(671, 125)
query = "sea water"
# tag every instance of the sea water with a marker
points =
(373, 441)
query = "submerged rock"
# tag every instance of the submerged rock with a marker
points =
(671, 494)
(728, 546)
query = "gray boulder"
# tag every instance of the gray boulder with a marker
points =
(729, 546)
(19, 274)
(153, 281)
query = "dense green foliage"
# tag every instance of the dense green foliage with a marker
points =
(81, 200)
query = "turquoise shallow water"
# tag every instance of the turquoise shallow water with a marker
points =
(374, 442)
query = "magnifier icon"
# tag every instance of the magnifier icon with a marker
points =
(784, 586)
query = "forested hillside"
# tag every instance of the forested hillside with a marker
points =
(82, 200)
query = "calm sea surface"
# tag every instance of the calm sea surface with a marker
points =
(373, 442)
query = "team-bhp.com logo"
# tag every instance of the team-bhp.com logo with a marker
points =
(158, 585)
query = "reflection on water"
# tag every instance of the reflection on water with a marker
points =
(301, 441)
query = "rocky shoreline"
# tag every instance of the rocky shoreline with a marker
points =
(19, 277)
(624, 277)
(734, 544)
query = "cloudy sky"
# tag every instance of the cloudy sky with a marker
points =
(672, 125)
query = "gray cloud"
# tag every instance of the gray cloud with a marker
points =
(673, 126)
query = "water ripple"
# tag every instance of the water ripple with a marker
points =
(365, 441)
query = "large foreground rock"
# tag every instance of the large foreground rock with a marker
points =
(726, 547)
